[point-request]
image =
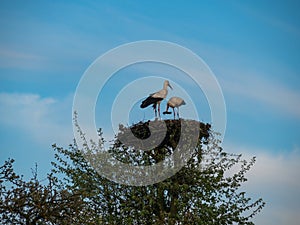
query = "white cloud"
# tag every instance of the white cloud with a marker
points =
(41, 119)
(275, 178)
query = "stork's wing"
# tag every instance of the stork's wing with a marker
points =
(149, 101)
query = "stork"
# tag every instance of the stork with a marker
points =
(174, 102)
(156, 98)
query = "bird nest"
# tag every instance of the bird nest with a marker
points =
(160, 133)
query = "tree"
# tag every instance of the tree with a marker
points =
(202, 192)
(32, 202)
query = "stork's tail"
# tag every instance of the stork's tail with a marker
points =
(149, 101)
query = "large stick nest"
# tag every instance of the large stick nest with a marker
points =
(160, 133)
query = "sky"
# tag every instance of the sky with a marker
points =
(252, 48)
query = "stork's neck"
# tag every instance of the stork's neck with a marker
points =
(165, 86)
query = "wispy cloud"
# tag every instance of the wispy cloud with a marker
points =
(20, 60)
(272, 95)
(276, 179)
(280, 23)
(43, 120)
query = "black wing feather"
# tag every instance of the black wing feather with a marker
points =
(149, 101)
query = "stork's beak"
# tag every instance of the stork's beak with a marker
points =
(170, 86)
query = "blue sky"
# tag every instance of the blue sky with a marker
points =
(253, 48)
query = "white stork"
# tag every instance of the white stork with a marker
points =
(156, 98)
(174, 102)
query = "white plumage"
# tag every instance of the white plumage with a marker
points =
(174, 102)
(156, 98)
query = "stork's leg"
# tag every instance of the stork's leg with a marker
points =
(174, 112)
(167, 108)
(178, 112)
(154, 108)
(159, 110)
